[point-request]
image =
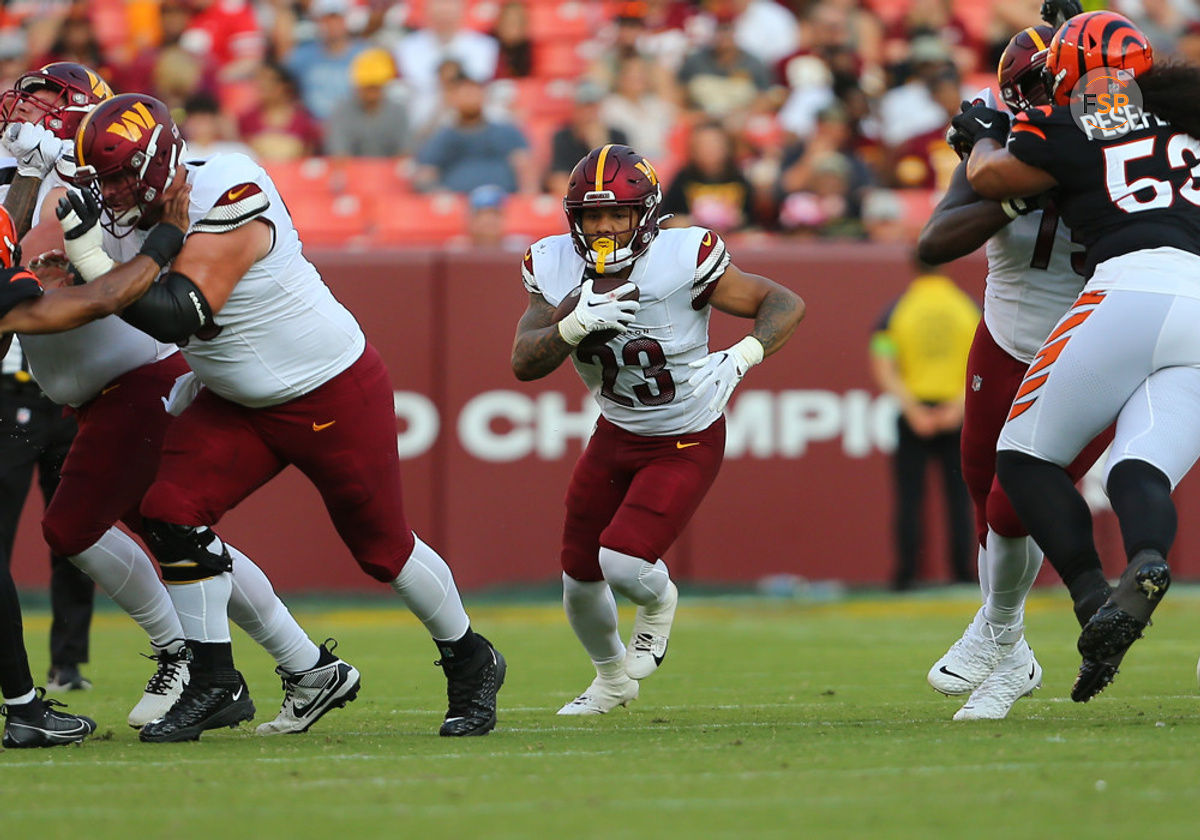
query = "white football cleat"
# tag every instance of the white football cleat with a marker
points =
(602, 696)
(1019, 675)
(651, 631)
(307, 695)
(164, 687)
(970, 660)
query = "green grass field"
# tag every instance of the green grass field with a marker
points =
(770, 719)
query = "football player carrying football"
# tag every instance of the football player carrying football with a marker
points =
(660, 438)
(1030, 284)
(1127, 350)
(288, 379)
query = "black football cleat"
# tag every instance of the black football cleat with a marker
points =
(1122, 618)
(39, 724)
(202, 705)
(1094, 676)
(471, 688)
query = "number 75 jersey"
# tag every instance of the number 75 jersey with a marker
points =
(640, 378)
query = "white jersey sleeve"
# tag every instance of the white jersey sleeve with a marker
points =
(640, 378)
(281, 333)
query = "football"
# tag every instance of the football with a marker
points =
(600, 284)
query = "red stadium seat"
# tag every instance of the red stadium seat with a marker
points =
(557, 60)
(371, 178)
(295, 178)
(341, 222)
(420, 219)
(569, 20)
(534, 216)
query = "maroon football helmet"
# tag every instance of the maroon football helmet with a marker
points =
(613, 176)
(73, 91)
(1022, 84)
(128, 150)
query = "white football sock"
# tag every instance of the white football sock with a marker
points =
(1013, 565)
(641, 582)
(203, 607)
(126, 573)
(981, 563)
(22, 700)
(427, 586)
(254, 606)
(592, 613)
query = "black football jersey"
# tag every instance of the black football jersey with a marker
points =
(1120, 190)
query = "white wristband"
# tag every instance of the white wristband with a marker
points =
(749, 351)
(571, 329)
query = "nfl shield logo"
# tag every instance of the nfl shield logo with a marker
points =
(976, 382)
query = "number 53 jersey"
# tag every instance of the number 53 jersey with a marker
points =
(1127, 181)
(640, 378)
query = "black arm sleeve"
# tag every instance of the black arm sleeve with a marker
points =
(172, 310)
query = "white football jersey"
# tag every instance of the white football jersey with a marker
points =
(1021, 303)
(73, 367)
(282, 332)
(640, 378)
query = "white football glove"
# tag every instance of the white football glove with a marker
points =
(83, 240)
(598, 311)
(720, 372)
(34, 146)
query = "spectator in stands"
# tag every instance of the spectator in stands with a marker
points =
(475, 150)
(637, 111)
(938, 18)
(485, 223)
(883, 217)
(177, 76)
(373, 122)
(206, 129)
(910, 109)
(420, 54)
(76, 41)
(825, 207)
(710, 190)
(629, 36)
(228, 31)
(321, 66)
(279, 128)
(1189, 44)
(924, 161)
(515, 56)
(1163, 21)
(830, 138)
(763, 28)
(584, 131)
(724, 81)
(138, 74)
(14, 58)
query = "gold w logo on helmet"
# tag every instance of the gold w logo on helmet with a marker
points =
(130, 124)
(646, 169)
(99, 87)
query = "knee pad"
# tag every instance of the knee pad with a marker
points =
(187, 553)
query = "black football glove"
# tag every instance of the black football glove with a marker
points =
(976, 122)
(79, 211)
(1058, 12)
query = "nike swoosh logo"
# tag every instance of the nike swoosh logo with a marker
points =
(319, 426)
(707, 240)
(1031, 671)
(237, 694)
(234, 195)
(950, 673)
(110, 388)
(681, 445)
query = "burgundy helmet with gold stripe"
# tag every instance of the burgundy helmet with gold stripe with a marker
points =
(56, 96)
(1021, 83)
(613, 176)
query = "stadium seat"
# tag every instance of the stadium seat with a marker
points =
(420, 219)
(295, 178)
(538, 97)
(371, 179)
(557, 60)
(341, 222)
(568, 20)
(534, 216)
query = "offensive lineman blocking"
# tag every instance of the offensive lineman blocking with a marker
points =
(660, 438)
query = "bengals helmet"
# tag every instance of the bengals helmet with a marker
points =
(1021, 82)
(10, 249)
(613, 176)
(74, 90)
(128, 150)
(1089, 42)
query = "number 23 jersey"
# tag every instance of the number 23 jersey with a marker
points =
(640, 378)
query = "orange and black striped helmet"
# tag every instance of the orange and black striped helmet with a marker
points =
(1090, 41)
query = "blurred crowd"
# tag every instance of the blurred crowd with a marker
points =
(810, 118)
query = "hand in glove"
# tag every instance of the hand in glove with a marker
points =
(79, 214)
(598, 311)
(719, 373)
(34, 146)
(1058, 12)
(974, 123)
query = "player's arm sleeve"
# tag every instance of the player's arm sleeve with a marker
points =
(1030, 140)
(238, 205)
(712, 259)
(531, 284)
(16, 285)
